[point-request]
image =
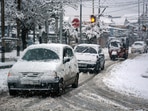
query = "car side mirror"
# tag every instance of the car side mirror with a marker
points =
(66, 59)
(101, 54)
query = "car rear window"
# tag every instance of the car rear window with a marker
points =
(40, 54)
(138, 43)
(85, 49)
(115, 44)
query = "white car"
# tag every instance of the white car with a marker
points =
(44, 67)
(139, 46)
(90, 57)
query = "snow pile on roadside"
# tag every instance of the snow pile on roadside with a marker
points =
(3, 80)
(130, 77)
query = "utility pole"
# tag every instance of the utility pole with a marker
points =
(80, 21)
(61, 23)
(56, 25)
(98, 21)
(99, 9)
(93, 7)
(3, 30)
(143, 18)
(18, 28)
(46, 28)
(139, 18)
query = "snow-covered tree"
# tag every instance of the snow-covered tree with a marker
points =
(35, 12)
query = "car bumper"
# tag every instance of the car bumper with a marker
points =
(52, 87)
(86, 67)
(137, 50)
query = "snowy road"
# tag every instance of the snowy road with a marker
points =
(89, 96)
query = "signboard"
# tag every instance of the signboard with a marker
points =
(76, 23)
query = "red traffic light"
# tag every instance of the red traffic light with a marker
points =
(92, 18)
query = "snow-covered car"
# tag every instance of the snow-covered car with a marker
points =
(90, 57)
(139, 46)
(44, 67)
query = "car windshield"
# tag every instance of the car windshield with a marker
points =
(115, 44)
(40, 54)
(85, 49)
(138, 44)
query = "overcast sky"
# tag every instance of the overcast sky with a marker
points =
(114, 8)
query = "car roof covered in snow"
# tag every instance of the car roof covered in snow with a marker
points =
(90, 45)
(56, 45)
(139, 42)
(95, 46)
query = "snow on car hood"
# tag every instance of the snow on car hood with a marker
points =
(86, 57)
(25, 66)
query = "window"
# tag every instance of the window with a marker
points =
(85, 49)
(40, 54)
(100, 50)
(68, 52)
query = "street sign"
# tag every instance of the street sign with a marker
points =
(76, 23)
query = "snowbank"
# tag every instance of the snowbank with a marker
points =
(130, 77)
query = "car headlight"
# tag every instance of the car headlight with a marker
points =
(51, 75)
(11, 73)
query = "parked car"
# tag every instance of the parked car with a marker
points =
(44, 67)
(90, 57)
(139, 46)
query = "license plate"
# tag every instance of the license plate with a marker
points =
(30, 82)
(114, 53)
(82, 65)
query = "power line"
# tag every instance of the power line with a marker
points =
(113, 4)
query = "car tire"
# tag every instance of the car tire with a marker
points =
(61, 88)
(75, 84)
(102, 68)
(125, 56)
(12, 93)
(97, 68)
(113, 58)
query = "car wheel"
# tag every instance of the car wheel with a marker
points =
(97, 68)
(125, 56)
(75, 84)
(113, 58)
(102, 68)
(61, 88)
(12, 93)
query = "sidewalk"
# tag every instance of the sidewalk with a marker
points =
(10, 59)
(4, 65)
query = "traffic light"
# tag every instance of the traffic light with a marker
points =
(93, 19)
